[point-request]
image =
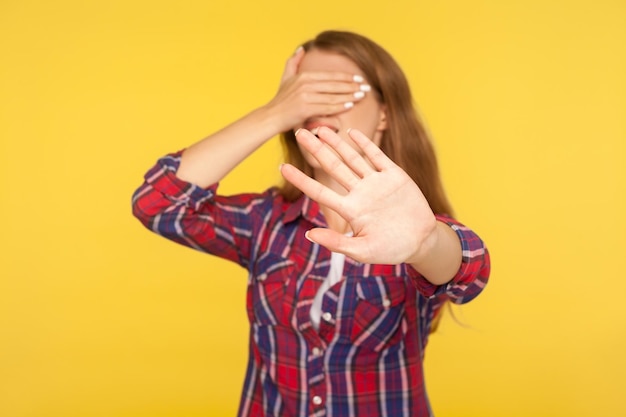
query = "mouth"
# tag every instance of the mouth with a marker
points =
(314, 126)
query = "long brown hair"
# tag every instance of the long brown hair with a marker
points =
(405, 140)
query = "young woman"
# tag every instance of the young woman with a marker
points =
(352, 258)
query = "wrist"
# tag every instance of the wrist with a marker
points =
(439, 257)
(274, 118)
(427, 246)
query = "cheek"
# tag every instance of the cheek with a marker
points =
(367, 118)
(377, 137)
(370, 128)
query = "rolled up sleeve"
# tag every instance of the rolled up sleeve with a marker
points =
(194, 216)
(473, 274)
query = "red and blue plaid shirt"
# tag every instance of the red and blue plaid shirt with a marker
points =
(366, 357)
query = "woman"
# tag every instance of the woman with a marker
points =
(352, 258)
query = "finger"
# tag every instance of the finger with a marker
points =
(335, 82)
(336, 87)
(335, 76)
(328, 98)
(334, 96)
(291, 67)
(326, 105)
(318, 97)
(328, 160)
(354, 247)
(326, 109)
(311, 188)
(330, 239)
(355, 161)
(379, 160)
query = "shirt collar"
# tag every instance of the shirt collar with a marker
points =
(306, 208)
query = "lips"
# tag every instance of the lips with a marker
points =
(314, 125)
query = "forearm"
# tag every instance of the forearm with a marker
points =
(209, 160)
(440, 257)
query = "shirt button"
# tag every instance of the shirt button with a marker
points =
(386, 302)
(327, 316)
(317, 351)
(317, 400)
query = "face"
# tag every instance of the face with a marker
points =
(367, 115)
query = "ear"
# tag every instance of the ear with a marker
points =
(381, 126)
(382, 122)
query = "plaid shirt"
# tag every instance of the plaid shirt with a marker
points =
(366, 357)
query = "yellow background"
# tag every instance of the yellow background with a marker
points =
(99, 317)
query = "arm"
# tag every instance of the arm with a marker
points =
(300, 97)
(471, 276)
(391, 220)
(195, 217)
(177, 199)
(439, 256)
(208, 161)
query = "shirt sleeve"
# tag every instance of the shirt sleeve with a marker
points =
(196, 217)
(471, 277)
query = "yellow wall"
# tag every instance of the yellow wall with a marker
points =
(98, 317)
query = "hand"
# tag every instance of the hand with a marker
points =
(390, 218)
(302, 96)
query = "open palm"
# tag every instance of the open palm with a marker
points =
(388, 214)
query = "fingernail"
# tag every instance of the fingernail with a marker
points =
(315, 130)
(298, 49)
(280, 168)
(365, 87)
(359, 94)
(306, 235)
(357, 78)
(348, 105)
(296, 132)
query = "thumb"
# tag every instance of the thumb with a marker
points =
(334, 241)
(291, 67)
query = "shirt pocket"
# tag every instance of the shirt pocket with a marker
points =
(379, 312)
(267, 302)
